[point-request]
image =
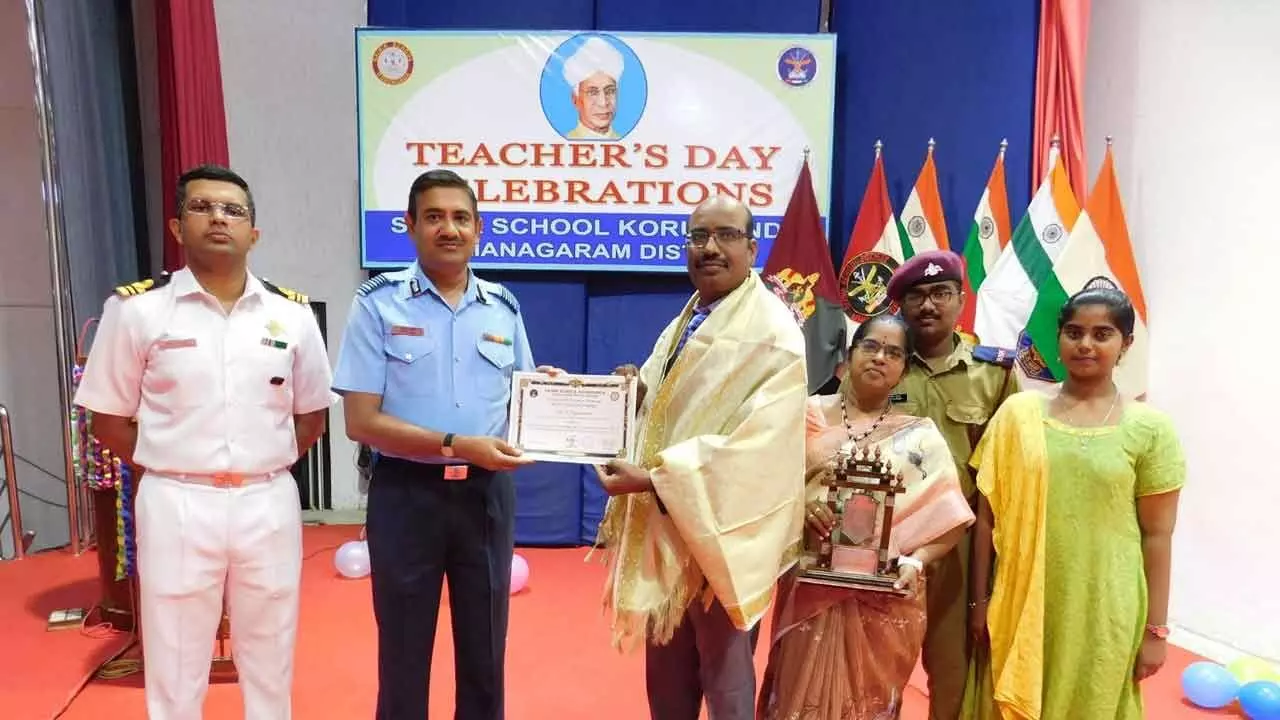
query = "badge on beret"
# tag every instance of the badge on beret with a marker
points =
(864, 283)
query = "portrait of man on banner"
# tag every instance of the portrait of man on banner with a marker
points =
(593, 88)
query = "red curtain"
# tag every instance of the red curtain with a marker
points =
(1064, 34)
(193, 124)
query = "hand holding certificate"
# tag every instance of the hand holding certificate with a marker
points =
(584, 419)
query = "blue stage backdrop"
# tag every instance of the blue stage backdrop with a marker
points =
(908, 70)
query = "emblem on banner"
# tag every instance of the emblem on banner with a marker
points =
(864, 285)
(1052, 234)
(392, 63)
(797, 66)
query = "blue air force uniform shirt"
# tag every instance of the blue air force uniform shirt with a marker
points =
(437, 367)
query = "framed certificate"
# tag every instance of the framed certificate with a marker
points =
(584, 419)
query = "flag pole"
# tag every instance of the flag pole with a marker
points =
(932, 144)
(878, 146)
(1004, 145)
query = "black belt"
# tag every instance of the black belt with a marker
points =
(431, 471)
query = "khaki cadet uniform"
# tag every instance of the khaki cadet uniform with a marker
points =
(960, 393)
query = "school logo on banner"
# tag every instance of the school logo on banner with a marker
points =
(392, 63)
(797, 67)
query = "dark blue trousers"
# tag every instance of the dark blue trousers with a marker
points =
(422, 529)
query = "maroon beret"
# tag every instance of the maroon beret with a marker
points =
(927, 267)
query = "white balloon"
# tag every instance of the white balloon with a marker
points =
(352, 559)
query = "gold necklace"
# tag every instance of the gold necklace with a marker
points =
(1086, 439)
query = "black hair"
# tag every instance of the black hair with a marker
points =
(908, 338)
(215, 173)
(1119, 308)
(439, 179)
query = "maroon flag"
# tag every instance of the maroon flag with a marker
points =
(799, 269)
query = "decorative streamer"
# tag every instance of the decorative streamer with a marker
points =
(126, 554)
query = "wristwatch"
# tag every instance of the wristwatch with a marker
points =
(446, 446)
(1160, 632)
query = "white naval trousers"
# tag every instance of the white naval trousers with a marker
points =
(193, 541)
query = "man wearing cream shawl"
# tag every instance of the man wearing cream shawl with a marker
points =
(709, 516)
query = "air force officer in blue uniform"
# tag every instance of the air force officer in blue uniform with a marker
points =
(425, 371)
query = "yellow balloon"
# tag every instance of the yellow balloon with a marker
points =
(1252, 669)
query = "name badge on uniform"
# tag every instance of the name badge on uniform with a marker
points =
(898, 398)
(175, 343)
(277, 344)
(455, 472)
(407, 330)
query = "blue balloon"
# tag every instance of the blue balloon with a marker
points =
(1261, 700)
(1209, 685)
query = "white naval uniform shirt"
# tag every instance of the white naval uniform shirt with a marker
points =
(212, 391)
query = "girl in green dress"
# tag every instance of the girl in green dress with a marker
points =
(1079, 493)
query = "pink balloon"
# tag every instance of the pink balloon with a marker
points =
(519, 573)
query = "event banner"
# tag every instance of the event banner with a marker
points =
(588, 151)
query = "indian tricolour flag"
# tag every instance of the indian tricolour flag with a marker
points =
(1099, 254)
(988, 236)
(921, 216)
(1023, 280)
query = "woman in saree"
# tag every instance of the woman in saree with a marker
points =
(1079, 493)
(843, 654)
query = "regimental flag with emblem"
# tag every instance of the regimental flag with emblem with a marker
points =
(875, 250)
(1099, 254)
(1019, 300)
(799, 270)
(921, 217)
(988, 236)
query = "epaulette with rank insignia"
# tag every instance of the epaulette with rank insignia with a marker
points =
(373, 283)
(994, 355)
(503, 294)
(286, 293)
(134, 289)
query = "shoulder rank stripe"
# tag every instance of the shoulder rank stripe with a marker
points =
(139, 287)
(994, 355)
(503, 294)
(372, 284)
(286, 293)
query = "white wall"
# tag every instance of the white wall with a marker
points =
(1189, 89)
(28, 360)
(289, 86)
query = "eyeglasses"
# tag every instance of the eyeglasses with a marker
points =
(939, 296)
(722, 236)
(231, 211)
(872, 348)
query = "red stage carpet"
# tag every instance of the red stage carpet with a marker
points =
(559, 664)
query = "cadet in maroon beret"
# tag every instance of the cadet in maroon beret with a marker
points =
(959, 386)
(930, 267)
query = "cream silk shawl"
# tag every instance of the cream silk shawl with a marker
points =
(724, 436)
